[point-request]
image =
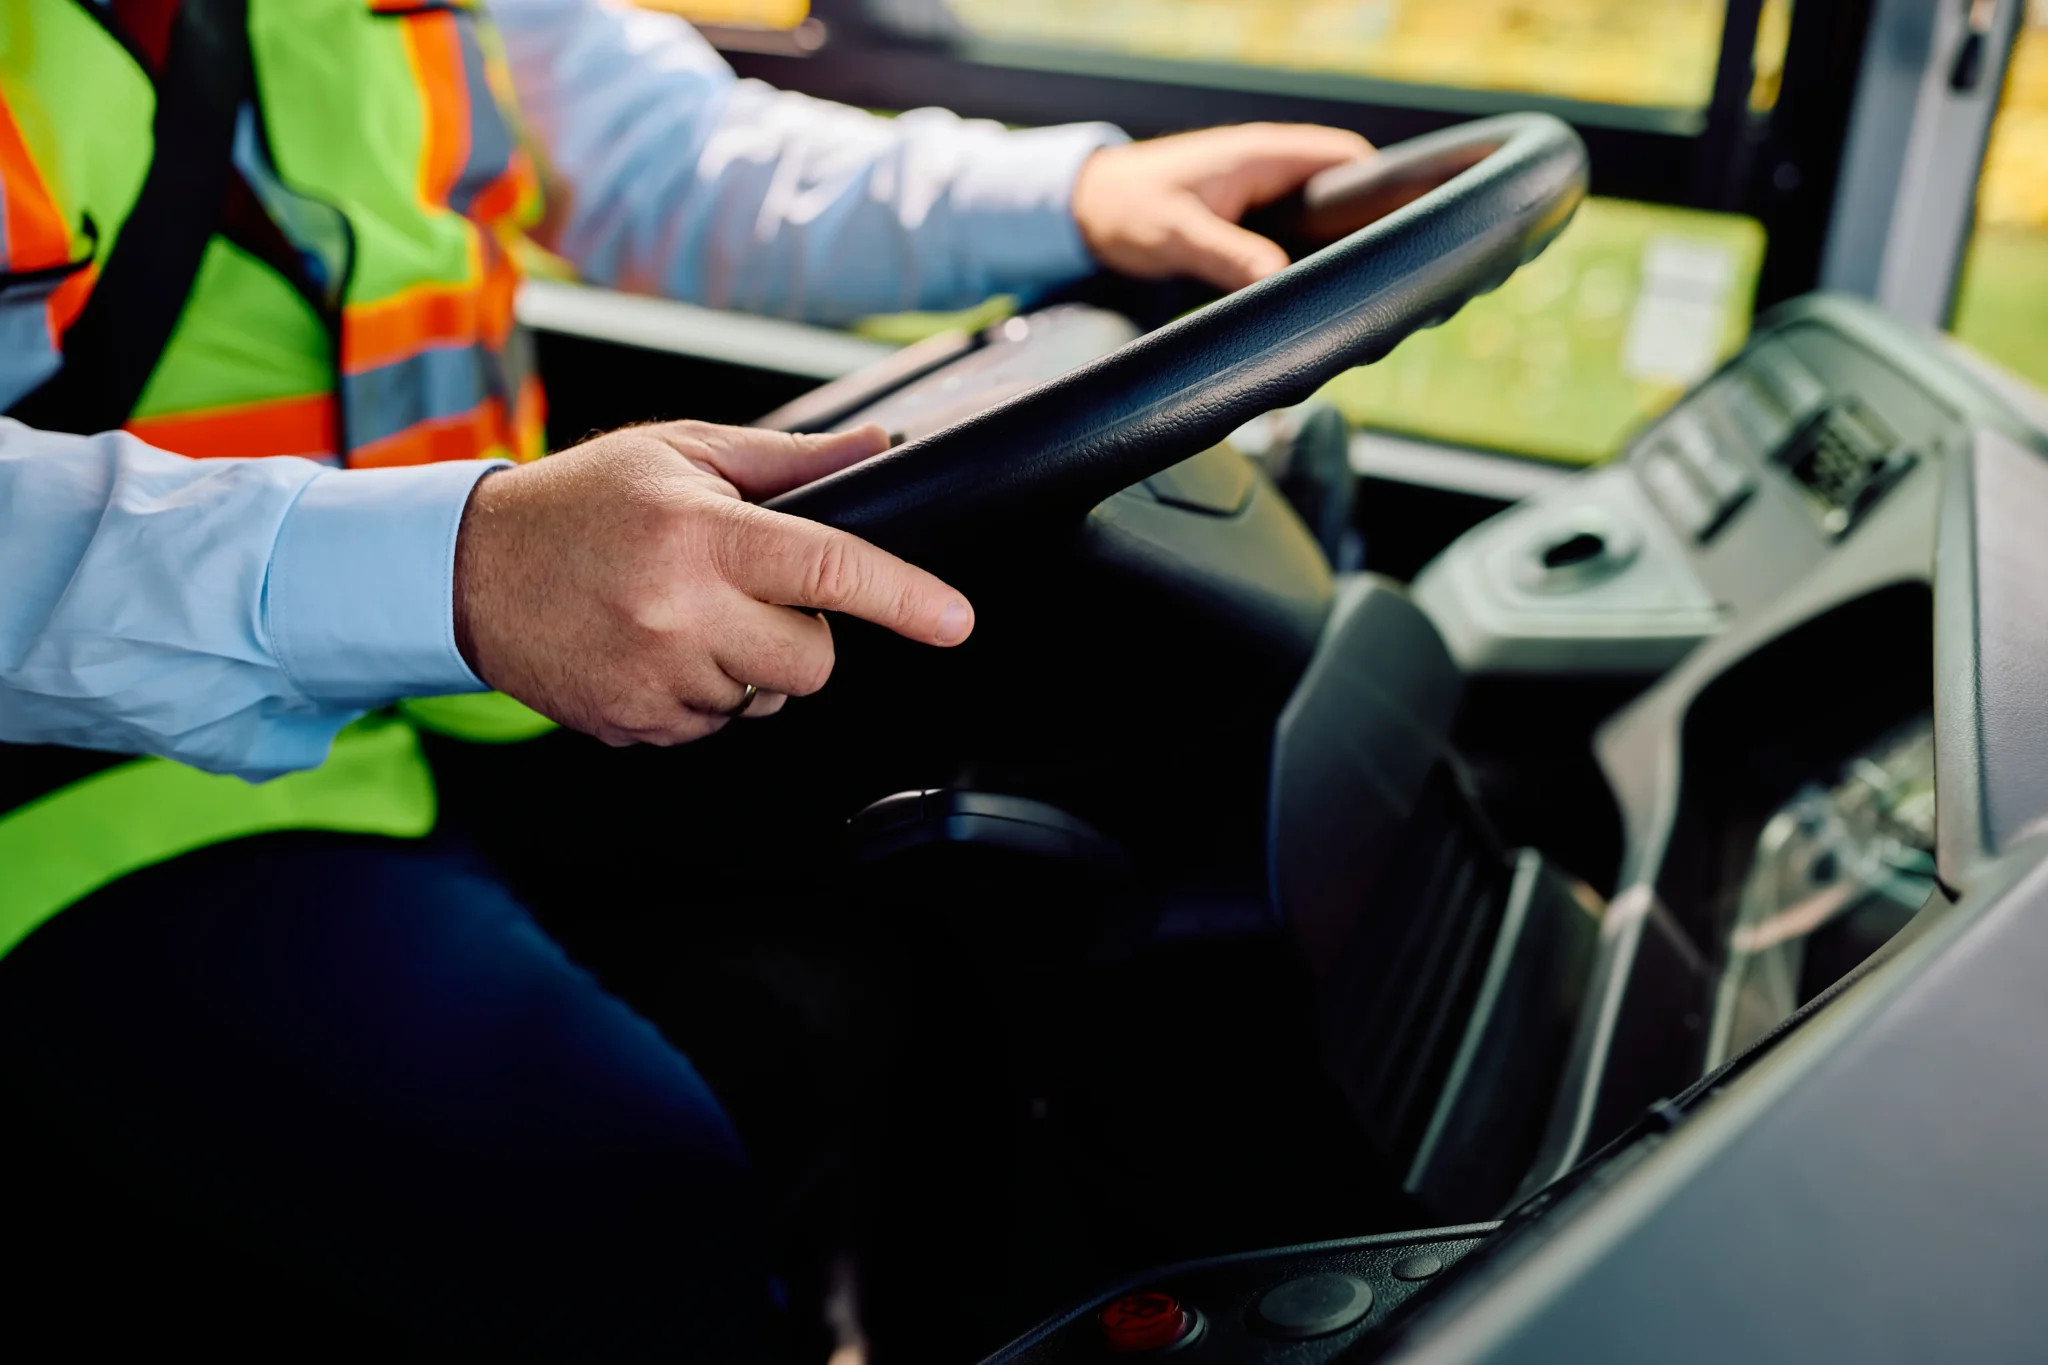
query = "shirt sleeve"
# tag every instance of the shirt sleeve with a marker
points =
(231, 614)
(670, 175)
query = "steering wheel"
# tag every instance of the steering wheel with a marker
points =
(1432, 223)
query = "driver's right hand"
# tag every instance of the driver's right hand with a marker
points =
(627, 588)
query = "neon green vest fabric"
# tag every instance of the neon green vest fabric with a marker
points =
(386, 126)
(385, 153)
(79, 838)
(64, 846)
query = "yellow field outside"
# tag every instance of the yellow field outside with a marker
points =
(1645, 52)
(1606, 329)
(1557, 364)
(2002, 301)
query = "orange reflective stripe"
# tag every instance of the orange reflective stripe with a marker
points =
(465, 436)
(285, 426)
(434, 46)
(503, 196)
(67, 300)
(530, 421)
(37, 235)
(376, 334)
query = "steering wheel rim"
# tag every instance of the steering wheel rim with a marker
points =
(1503, 188)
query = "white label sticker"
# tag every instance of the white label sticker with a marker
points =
(1674, 334)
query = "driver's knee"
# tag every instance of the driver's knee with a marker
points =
(363, 1062)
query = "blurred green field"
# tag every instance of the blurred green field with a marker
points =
(1643, 52)
(2001, 305)
(1578, 350)
(1584, 345)
(2002, 302)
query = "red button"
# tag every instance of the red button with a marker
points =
(1145, 1322)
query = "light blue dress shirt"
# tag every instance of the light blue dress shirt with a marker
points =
(236, 614)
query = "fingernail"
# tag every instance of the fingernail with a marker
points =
(954, 622)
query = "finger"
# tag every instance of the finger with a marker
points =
(786, 560)
(776, 649)
(717, 715)
(763, 463)
(1220, 252)
(765, 704)
(1268, 160)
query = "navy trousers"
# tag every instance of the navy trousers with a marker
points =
(327, 1086)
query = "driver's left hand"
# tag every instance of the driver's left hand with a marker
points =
(1171, 206)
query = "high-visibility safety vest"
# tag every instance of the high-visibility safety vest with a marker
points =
(383, 150)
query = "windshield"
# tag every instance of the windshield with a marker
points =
(1655, 53)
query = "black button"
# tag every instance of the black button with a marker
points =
(1315, 1305)
(1574, 549)
(1420, 1266)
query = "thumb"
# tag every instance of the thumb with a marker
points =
(763, 463)
(1221, 253)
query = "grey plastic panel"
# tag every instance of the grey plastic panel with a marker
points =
(1689, 565)
(1904, 207)
(1638, 608)
(1851, 349)
(1991, 621)
(1640, 753)
(1874, 1190)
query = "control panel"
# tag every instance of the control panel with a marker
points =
(1300, 1305)
(1736, 493)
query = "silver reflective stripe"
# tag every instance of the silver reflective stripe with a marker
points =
(435, 384)
(28, 354)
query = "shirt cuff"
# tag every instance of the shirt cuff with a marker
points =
(359, 603)
(1016, 201)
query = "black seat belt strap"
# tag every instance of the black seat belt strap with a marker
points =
(113, 346)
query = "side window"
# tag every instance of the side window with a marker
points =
(2001, 303)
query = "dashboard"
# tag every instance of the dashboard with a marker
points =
(1833, 786)
(1814, 585)
(1766, 553)
(1746, 487)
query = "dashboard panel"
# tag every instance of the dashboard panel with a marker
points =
(1795, 738)
(1865, 1183)
(1803, 1080)
(1737, 493)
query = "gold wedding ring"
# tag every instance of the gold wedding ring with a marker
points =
(745, 702)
